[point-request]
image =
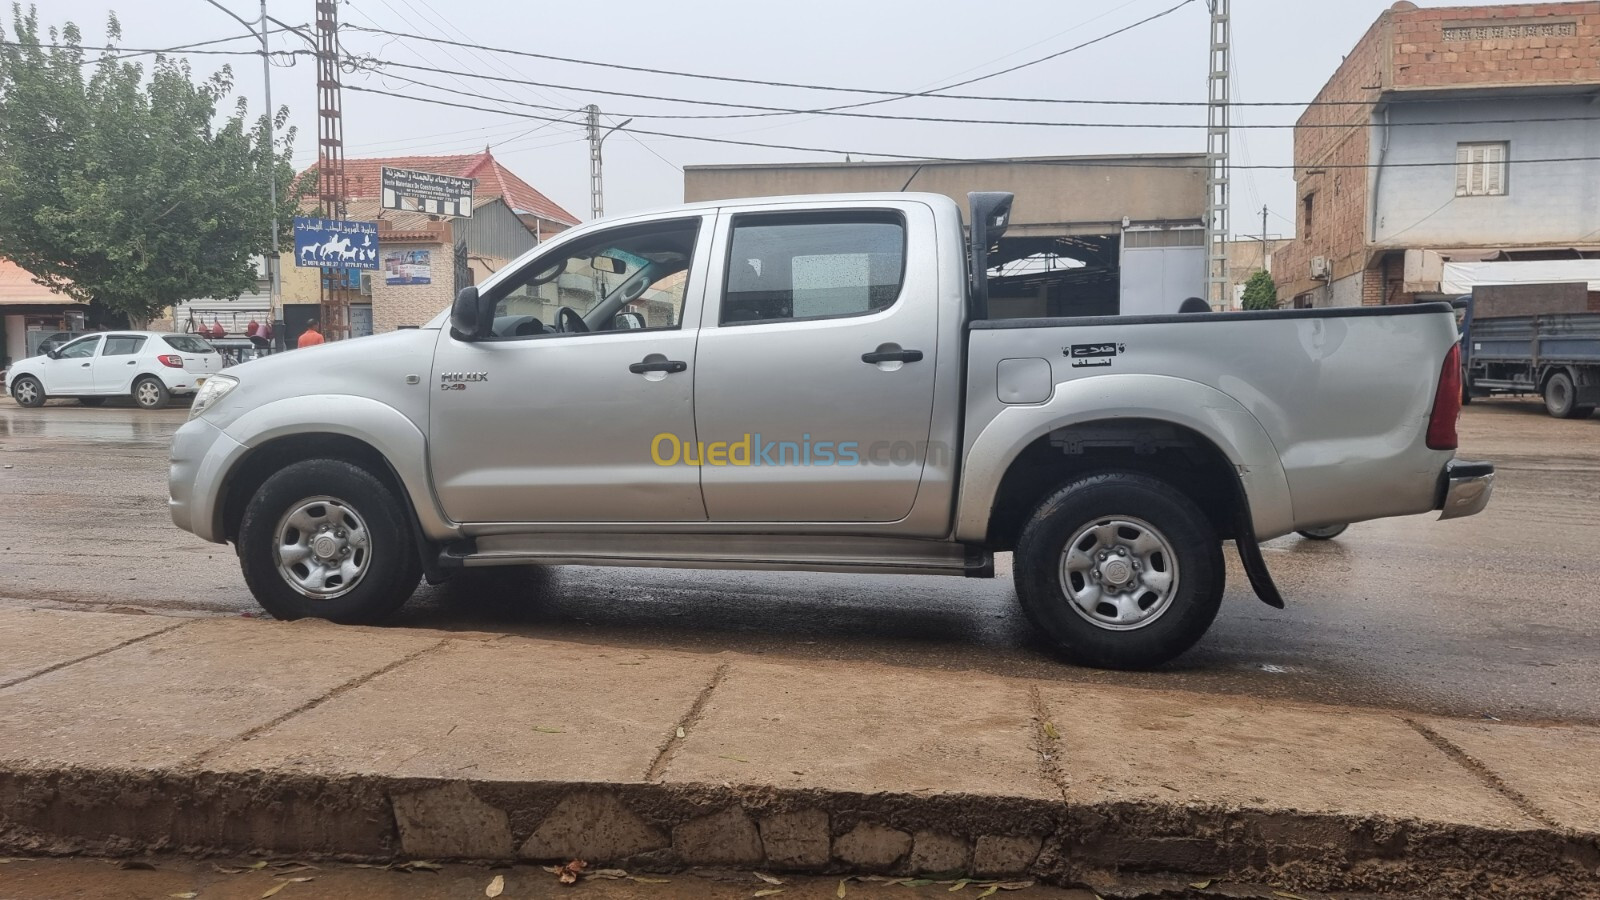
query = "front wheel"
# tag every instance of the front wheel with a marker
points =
(326, 539)
(27, 391)
(1325, 533)
(1120, 571)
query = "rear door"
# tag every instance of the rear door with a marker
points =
(118, 362)
(816, 361)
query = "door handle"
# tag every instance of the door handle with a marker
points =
(85, 365)
(879, 356)
(664, 365)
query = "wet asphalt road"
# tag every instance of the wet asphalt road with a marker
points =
(1495, 615)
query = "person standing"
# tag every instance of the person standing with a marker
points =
(311, 336)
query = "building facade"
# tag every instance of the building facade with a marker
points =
(1449, 137)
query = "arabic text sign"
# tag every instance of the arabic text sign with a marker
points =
(427, 192)
(335, 243)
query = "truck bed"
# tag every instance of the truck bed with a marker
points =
(1324, 412)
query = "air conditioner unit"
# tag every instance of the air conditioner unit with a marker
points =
(366, 283)
(1319, 267)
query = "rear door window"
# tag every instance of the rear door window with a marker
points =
(813, 267)
(123, 345)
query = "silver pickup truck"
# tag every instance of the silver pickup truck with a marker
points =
(814, 383)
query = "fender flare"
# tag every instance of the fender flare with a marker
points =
(1217, 417)
(388, 431)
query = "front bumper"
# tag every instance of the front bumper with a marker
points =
(1464, 488)
(200, 458)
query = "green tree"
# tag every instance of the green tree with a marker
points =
(1260, 292)
(130, 193)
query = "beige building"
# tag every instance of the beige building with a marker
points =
(1089, 235)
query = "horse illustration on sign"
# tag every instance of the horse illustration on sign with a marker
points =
(320, 243)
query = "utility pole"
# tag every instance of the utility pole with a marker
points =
(1217, 158)
(597, 199)
(330, 162)
(597, 191)
(1263, 237)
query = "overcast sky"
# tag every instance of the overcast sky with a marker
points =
(1283, 51)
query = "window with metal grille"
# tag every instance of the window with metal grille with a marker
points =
(1481, 169)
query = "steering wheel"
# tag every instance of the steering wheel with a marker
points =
(569, 322)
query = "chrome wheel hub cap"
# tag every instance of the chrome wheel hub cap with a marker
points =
(25, 392)
(322, 548)
(147, 393)
(1119, 574)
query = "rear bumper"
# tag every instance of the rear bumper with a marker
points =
(1464, 488)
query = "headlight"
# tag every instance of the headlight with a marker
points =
(210, 393)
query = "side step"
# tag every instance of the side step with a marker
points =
(781, 552)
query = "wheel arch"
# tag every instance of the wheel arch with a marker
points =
(1174, 427)
(359, 430)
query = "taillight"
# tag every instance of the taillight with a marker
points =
(1446, 403)
(171, 360)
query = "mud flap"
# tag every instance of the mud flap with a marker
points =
(1244, 537)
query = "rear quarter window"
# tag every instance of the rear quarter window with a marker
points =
(184, 343)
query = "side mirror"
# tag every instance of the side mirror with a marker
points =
(627, 321)
(52, 353)
(469, 320)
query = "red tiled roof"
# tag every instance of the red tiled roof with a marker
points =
(363, 178)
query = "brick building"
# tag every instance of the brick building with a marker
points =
(1422, 151)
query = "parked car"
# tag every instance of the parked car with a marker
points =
(149, 366)
(818, 385)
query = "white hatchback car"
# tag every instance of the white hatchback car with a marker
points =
(149, 366)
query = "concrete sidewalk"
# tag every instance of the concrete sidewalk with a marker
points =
(122, 733)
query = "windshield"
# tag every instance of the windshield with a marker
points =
(188, 343)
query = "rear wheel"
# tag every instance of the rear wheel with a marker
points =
(27, 391)
(1120, 571)
(1561, 398)
(324, 538)
(1325, 533)
(150, 393)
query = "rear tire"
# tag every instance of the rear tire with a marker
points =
(150, 393)
(1325, 533)
(1561, 398)
(1103, 615)
(27, 391)
(326, 539)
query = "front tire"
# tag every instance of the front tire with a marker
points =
(1325, 533)
(326, 539)
(150, 393)
(1120, 571)
(27, 391)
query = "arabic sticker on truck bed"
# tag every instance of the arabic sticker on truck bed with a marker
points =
(1090, 355)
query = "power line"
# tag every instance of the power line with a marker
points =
(131, 51)
(1032, 123)
(1086, 163)
(765, 83)
(853, 90)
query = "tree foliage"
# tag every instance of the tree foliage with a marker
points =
(127, 191)
(1260, 292)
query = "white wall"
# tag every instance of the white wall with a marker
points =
(1156, 280)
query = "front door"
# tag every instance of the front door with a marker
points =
(553, 419)
(118, 362)
(817, 363)
(72, 371)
